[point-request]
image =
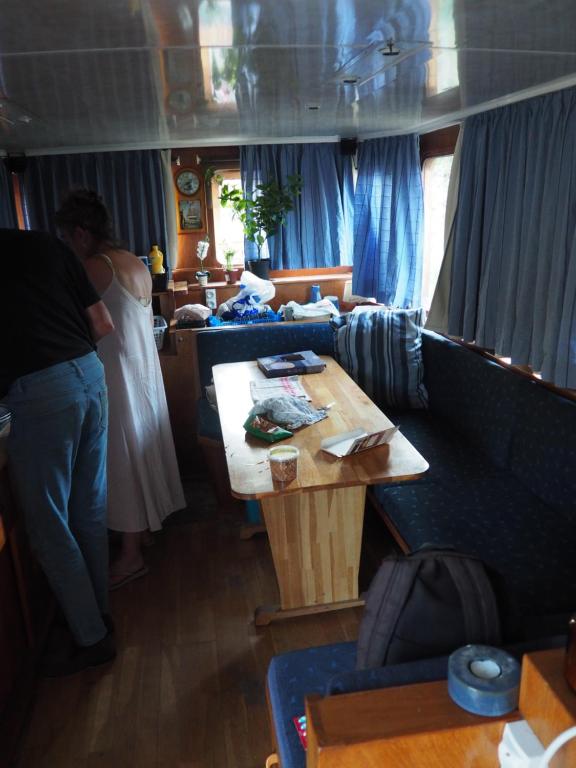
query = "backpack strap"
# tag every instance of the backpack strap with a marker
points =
(388, 594)
(481, 616)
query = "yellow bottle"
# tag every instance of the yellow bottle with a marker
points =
(156, 261)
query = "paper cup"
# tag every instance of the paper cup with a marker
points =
(283, 463)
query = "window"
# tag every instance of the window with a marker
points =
(228, 232)
(436, 176)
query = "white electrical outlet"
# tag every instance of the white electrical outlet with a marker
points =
(211, 298)
(520, 747)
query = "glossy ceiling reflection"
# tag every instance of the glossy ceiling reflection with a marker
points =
(101, 74)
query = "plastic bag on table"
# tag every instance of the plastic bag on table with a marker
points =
(289, 412)
(252, 298)
(251, 284)
(313, 309)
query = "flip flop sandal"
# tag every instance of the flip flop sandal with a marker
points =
(127, 578)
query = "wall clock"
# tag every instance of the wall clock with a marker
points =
(180, 101)
(187, 182)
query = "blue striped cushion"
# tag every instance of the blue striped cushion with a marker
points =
(382, 352)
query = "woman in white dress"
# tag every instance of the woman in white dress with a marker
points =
(143, 480)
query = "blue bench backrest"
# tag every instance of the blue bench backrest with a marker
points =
(234, 345)
(516, 421)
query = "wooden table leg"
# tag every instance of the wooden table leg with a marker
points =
(315, 539)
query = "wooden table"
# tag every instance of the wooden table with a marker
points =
(314, 524)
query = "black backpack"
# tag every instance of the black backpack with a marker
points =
(426, 604)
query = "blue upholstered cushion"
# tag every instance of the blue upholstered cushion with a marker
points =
(449, 454)
(292, 676)
(475, 396)
(381, 351)
(233, 345)
(529, 543)
(543, 452)
(422, 671)
(429, 670)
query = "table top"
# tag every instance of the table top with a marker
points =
(246, 455)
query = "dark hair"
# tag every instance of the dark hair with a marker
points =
(85, 208)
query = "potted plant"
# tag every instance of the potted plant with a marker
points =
(231, 273)
(201, 252)
(261, 214)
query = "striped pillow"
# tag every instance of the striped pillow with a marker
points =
(382, 351)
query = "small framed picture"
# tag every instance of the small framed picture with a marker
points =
(190, 215)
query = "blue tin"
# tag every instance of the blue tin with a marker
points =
(315, 294)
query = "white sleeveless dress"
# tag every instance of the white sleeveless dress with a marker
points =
(144, 484)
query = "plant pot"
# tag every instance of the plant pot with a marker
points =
(232, 275)
(202, 278)
(260, 268)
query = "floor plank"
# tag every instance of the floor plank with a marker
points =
(187, 687)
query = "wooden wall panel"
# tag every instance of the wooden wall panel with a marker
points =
(287, 289)
(199, 160)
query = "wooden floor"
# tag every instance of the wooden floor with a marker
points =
(187, 687)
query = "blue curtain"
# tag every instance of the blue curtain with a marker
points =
(8, 217)
(130, 183)
(388, 209)
(317, 233)
(513, 285)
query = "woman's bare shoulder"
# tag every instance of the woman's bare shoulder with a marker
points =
(99, 273)
(132, 273)
(127, 260)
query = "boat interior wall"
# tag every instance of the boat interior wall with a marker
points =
(86, 75)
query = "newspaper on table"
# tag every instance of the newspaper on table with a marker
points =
(279, 387)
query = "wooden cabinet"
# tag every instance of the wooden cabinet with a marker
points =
(25, 610)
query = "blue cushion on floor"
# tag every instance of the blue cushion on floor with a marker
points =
(291, 676)
(528, 542)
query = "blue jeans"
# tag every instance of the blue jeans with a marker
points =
(57, 455)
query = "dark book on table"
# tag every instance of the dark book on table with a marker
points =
(291, 363)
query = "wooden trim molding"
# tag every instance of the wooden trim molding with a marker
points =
(521, 370)
(438, 143)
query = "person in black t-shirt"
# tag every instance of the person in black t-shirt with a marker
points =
(53, 383)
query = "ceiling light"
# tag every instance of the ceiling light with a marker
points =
(389, 50)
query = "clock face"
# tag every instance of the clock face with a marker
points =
(180, 101)
(188, 182)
